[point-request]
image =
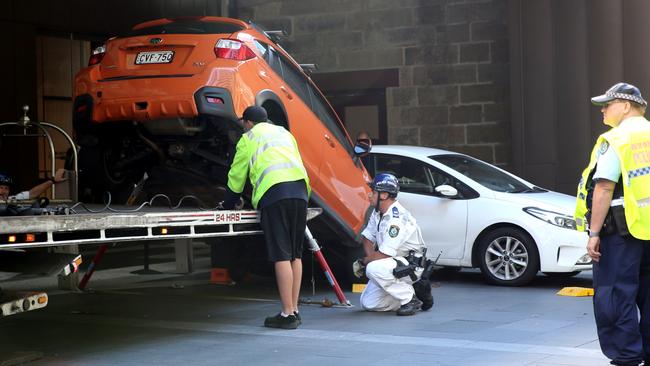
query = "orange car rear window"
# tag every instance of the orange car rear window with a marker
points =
(187, 27)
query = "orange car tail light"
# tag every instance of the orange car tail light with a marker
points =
(97, 55)
(233, 49)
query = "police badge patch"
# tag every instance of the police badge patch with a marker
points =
(395, 212)
(393, 231)
(603, 147)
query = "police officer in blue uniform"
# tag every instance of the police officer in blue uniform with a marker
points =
(621, 270)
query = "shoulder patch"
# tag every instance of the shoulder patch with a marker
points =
(395, 212)
(393, 231)
(603, 147)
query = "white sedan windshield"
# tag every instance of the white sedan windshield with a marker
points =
(484, 174)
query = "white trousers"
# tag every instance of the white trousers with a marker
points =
(384, 292)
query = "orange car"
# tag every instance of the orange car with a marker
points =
(166, 99)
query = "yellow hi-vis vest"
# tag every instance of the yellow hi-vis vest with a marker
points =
(268, 155)
(631, 142)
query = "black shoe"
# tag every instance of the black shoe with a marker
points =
(410, 307)
(641, 363)
(423, 293)
(297, 314)
(279, 321)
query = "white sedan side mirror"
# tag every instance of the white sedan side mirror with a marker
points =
(446, 190)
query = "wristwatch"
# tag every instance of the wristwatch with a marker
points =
(594, 234)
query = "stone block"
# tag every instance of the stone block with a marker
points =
(482, 152)
(465, 114)
(452, 33)
(503, 155)
(474, 52)
(438, 95)
(496, 112)
(476, 11)
(497, 73)
(368, 59)
(482, 93)
(246, 12)
(431, 54)
(425, 116)
(430, 15)
(302, 43)
(392, 37)
(393, 115)
(320, 23)
(488, 31)
(404, 136)
(436, 136)
(276, 23)
(268, 10)
(488, 133)
(444, 74)
(500, 51)
(302, 7)
(326, 61)
(390, 4)
(402, 96)
(406, 76)
(380, 19)
(340, 40)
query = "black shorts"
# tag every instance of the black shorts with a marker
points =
(284, 225)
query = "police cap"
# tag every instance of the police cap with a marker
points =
(620, 91)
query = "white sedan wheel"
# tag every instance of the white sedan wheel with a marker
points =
(508, 256)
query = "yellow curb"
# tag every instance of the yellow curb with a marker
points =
(576, 291)
(358, 287)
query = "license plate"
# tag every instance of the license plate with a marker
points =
(154, 57)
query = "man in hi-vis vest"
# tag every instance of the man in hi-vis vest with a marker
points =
(268, 155)
(613, 206)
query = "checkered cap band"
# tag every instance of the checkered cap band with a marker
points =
(633, 98)
(639, 172)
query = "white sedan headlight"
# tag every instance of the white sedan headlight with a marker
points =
(552, 218)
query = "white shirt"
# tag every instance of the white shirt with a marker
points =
(24, 195)
(395, 233)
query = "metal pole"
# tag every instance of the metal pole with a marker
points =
(313, 246)
(92, 266)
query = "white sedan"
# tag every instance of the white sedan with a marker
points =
(476, 215)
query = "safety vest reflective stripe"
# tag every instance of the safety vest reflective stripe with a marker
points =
(638, 172)
(643, 202)
(275, 167)
(268, 145)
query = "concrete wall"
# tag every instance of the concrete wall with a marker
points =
(452, 57)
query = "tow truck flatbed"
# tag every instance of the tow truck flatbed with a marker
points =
(152, 223)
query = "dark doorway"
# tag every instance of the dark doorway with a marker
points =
(359, 98)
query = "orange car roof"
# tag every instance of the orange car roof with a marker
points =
(163, 21)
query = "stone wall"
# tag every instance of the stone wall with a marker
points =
(452, 57)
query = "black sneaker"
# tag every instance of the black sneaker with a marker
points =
(410, 307)
(279, 321)
(297, 314)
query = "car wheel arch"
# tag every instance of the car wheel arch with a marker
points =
(274, 107)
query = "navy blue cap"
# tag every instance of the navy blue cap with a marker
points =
(620, 91)
(255, 114)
